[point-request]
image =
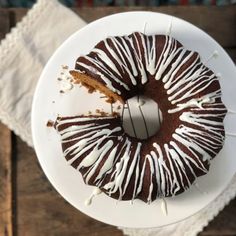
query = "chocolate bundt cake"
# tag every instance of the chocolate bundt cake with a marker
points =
(192, 131)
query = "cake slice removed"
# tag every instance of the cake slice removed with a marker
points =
(94, 85)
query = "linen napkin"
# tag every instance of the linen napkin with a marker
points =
(23, 54)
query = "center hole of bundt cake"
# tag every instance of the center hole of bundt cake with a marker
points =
(142, 117)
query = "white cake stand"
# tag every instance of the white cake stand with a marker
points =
(48, 102)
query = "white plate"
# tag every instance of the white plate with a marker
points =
(67, 181)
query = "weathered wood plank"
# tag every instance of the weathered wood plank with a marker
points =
(6, 211)
(16, 14)
(4, 23)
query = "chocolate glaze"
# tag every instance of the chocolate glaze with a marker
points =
(192, 132)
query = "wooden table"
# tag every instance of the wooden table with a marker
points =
(29, 206)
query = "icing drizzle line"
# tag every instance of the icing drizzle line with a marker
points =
(109, 159)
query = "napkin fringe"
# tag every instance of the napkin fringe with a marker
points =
(9, 43)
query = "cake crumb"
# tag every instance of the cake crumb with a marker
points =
(119, 107)
(101, 112)
(115, 114)
(76, 81)
(50, 123)
(65, 79)
(65, 67)
(90, 88)
(110, 100)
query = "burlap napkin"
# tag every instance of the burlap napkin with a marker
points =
(23, 54)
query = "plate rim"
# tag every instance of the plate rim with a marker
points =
(40, 81)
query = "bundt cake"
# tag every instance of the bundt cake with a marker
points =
(191, 134)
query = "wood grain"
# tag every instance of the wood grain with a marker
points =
(40, 210)
(6, 210)
(6, 222)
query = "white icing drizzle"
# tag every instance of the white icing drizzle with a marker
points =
(231, 134)
(164, 206)
(170, 27)
(124, 56)
(118, 157)
(140, 102)
(135, 54)
(199, 189)
(215, 54)
(95, 192)
(231, 111)
(109, 159)
(219, 75)
(144, 27)
(122, 163)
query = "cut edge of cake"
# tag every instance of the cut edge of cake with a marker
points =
(93, 85)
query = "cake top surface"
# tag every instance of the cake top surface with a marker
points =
(222, 64)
